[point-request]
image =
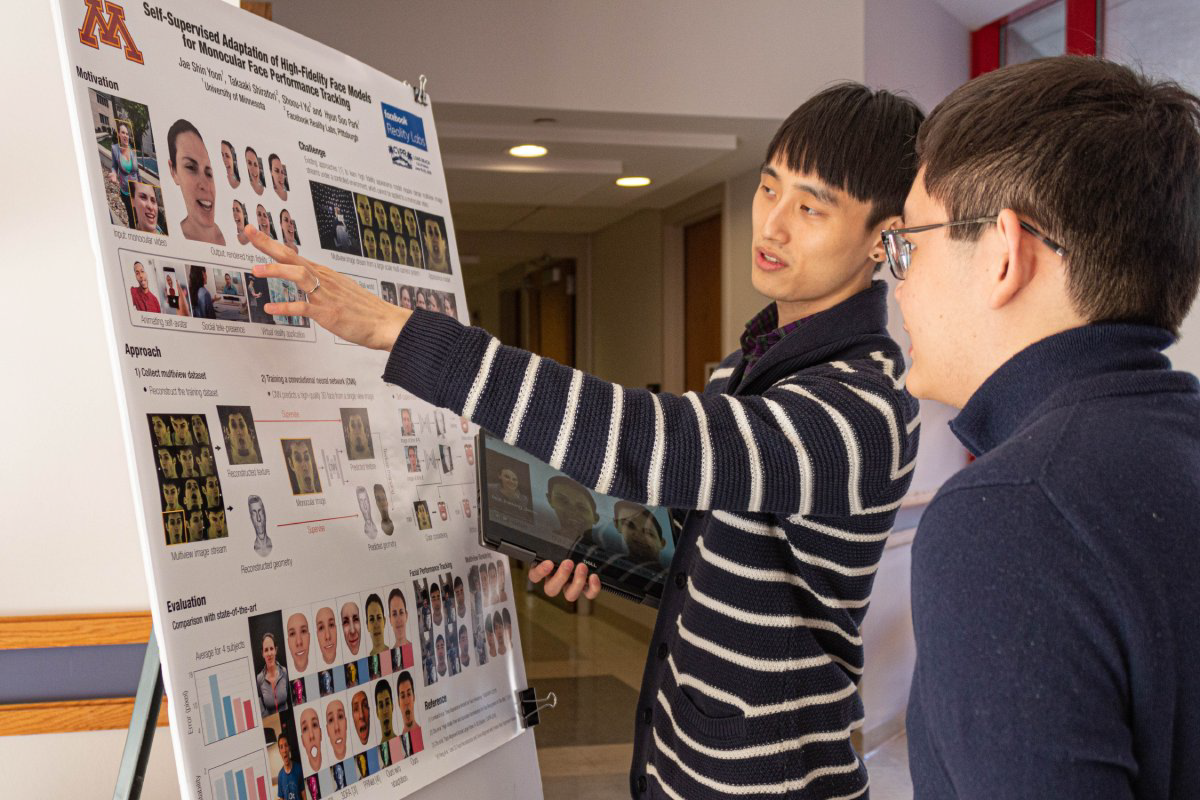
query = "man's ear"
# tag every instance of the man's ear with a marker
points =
(1013, 262)
(877, 253)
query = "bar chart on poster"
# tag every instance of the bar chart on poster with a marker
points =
(229, 708)
(323, 608)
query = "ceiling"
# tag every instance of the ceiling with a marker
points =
(572, 189)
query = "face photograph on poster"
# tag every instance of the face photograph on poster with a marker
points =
(241, 437)
(192, 173)
(302, 468)
(381, 502)
(129, 170)
(356, 428)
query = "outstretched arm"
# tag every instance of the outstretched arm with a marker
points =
(834, 442)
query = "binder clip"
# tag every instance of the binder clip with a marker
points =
(531, 705)
(419, 91)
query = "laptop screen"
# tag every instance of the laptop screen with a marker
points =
(528, 504)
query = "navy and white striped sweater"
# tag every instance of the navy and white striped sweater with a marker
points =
(791, 476)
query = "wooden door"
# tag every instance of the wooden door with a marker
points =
(701, 299)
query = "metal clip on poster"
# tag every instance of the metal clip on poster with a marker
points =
(531, 705)
(419, 94)
(142, 724)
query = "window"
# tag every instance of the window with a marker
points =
(1159, 36)
(1041, 28)
(1037, 34)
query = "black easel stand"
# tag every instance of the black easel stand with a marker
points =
(141, 727)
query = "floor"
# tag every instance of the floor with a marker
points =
(593, 664)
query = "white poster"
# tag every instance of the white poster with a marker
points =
(329, 625)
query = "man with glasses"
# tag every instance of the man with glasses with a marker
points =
(1054, 252)
(790, 466)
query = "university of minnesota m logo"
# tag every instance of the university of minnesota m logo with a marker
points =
(108, 20)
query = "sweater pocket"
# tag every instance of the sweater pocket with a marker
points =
(706, 719)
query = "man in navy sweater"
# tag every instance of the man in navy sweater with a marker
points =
(1054, 252)
(790, 466)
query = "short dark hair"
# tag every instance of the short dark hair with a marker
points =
(394, 593)
(382, 687)
(180, 127)
(856, 139)
(373, 598)
(405, 677)
(1104, 160)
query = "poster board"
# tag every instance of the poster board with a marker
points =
(309, 532)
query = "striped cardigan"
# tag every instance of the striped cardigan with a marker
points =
(791, 476)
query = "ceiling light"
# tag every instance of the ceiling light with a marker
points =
(631, 181)
(528, 151)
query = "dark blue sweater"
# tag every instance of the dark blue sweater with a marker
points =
(791, 473)
(1055, 597)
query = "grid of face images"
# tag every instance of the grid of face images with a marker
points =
(378, 229)
(166, 286)
(193, 508)
(443, 617)
(413, 297)
(250, 192)
(128, 163)
(337, 691)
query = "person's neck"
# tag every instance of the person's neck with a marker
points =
(787, 312)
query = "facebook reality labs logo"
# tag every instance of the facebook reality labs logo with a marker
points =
(403, 127)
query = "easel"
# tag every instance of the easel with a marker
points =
(142, 725)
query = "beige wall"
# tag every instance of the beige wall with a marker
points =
(739, 300)
(627, 341)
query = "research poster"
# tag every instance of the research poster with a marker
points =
(329, 625)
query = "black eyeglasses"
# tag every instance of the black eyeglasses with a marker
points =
(899, 250)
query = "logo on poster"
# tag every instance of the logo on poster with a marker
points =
(404, 127)
(108, 20)
(400, 156)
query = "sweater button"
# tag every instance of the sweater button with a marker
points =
(662, 651)
(680, 579)
(641, 783)
(647, 715)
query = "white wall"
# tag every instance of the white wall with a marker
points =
(703, 57)
(69, 538)
(916, 47)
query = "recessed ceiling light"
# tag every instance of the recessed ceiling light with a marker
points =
(528, 151)
(632, 181)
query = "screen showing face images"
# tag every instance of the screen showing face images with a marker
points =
(627, 542)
